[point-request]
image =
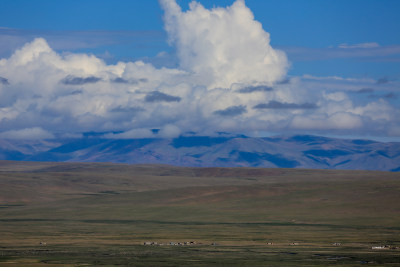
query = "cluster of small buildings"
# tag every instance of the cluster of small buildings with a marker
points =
(384, 247)
(191, 243)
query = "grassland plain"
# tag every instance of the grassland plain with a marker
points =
(99, 214)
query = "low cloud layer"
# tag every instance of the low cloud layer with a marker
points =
(27, 134)
(229, 79)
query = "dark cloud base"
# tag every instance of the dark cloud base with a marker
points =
(124, 81)
(73, 80)
(231, 111)
(4, 81)
(251, 89)
(157, 96)
(280, 105)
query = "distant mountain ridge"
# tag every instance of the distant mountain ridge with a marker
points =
(300, 151)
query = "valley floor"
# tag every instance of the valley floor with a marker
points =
(87, 214)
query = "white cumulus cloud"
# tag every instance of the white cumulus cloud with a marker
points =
(223, 46)
(229, 79)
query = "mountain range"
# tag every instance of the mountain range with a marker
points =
(299, 151)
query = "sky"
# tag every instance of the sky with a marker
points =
(136, 69)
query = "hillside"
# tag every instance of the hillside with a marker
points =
(76, 214)
(310, 152)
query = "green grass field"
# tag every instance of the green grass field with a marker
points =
(87, 214)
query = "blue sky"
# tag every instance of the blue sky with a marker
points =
(310, 24)
(332, 47)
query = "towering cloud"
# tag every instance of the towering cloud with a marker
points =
(223, 46)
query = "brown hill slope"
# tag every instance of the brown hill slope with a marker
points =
(77, 207)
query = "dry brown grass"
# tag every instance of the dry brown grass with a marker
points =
(97, 207)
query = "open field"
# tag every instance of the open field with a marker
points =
(83, 214)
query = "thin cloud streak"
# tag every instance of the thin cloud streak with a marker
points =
(372, 53)
(74, 40)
